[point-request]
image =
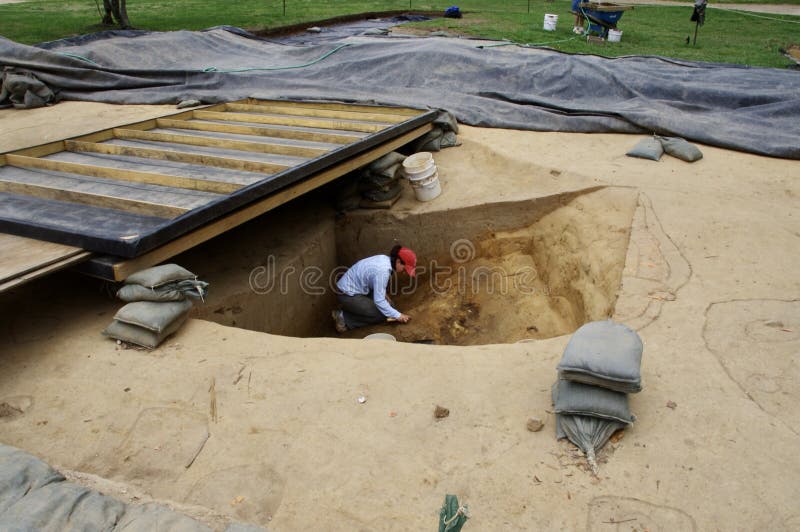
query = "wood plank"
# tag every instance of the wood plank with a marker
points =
(119, 174)
(20, 255)
(297, 134)
(182, 157)
(229, 144)
(321, 113)
(319, 123)
(50, 148)
(262, 131)
(123, 269)
(406, 111)
(53, 267)
(89, 198)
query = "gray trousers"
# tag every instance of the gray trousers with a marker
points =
(360, 311)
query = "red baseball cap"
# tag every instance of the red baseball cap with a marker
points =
(409, 259)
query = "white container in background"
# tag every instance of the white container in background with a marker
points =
(550, 22)
(423, 175)
(419, 166)
(428, 188)
(379, 336)
(614, 35)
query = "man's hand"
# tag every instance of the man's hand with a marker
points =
(404, 318)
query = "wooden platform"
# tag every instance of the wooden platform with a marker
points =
(155, 188)
(24, 259)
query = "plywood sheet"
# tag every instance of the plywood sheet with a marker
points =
(21, 258)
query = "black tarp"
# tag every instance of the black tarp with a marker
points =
(749, 109)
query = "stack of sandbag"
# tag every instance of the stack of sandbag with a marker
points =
(444, 134)
(600, 366)
(159, 300)
(380, 181)
(377, 185)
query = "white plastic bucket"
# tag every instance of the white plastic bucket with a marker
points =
(421, 174)
(550, 22)
(380, 336)
(614, 35)
(428, 188)
(418, 162)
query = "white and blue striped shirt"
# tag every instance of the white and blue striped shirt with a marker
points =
(370, 275)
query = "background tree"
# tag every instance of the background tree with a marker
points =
(116, 13)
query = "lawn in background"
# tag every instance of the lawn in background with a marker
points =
(730, 37)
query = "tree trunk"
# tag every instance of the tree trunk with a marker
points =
(108, 17)
(116, 11)
(124, 23)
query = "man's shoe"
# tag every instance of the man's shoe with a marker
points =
(338, 321)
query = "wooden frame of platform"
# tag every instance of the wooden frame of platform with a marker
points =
(235, 160)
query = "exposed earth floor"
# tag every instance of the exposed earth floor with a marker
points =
(700, 259)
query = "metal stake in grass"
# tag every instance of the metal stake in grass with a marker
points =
(698, 16)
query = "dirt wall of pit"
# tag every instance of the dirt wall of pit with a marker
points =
(276, 274)
(271, 273)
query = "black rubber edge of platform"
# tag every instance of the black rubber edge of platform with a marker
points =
(118, 248)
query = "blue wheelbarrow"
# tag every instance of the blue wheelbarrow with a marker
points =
(602, 16)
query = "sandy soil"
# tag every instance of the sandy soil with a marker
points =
(710, 281)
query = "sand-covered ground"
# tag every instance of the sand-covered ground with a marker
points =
(709, 279)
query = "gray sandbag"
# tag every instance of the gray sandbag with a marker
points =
(160, 275)
(241, 527)
(588, 433)
(62, 506)
(156, 317)
(388, 173)
(137, 335)
(381, 195)
(378, 181)
(136, 292)
(24, 90)
(443, 135)
(604, 353)
(151, 517)
(681, 148)
(649, 148)
(586, 400)
(364, 186)
(446, 121)
(22, 473)
(34, 496)
(430, 141)
(382, 163)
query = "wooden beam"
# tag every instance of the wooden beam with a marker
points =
(182, 157)
(319, 123)
(89, 198)
(118, 174)
(405, 111)
(237, 129)
(80, 256)
(123, 269)
(263, 107)
(229, 144)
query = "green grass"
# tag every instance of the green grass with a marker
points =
(729, 37)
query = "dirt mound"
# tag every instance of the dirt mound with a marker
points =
(541, 280)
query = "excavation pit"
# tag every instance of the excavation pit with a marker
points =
(492, 273)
